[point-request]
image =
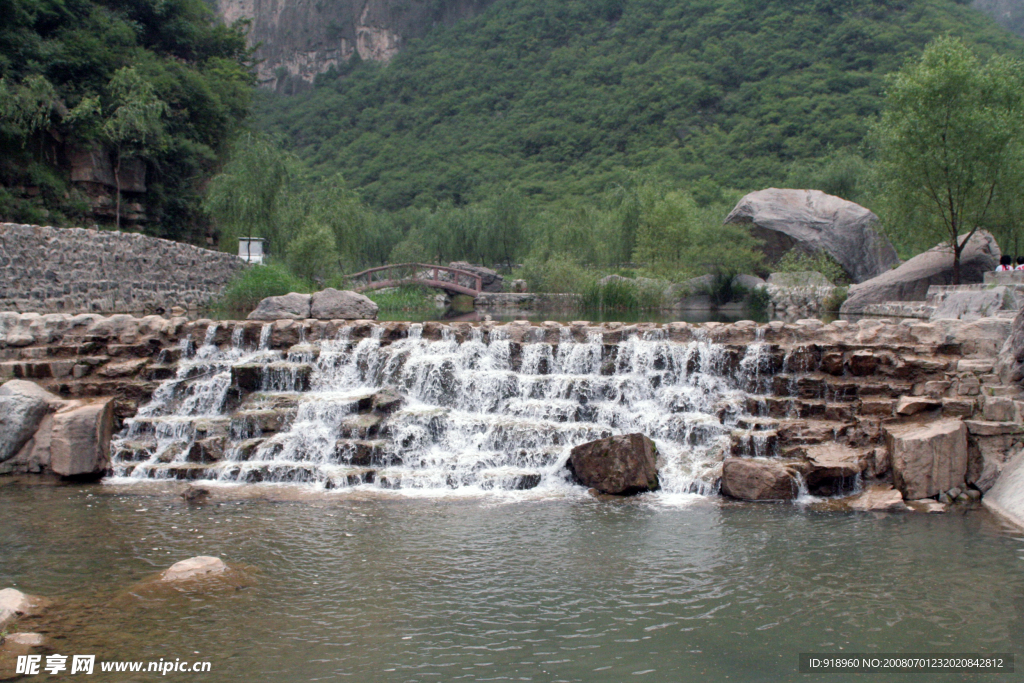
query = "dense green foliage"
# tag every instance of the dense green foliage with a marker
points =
(156, 79)
(563, 99)
(252, 285)
(405, 299)
(951, 145)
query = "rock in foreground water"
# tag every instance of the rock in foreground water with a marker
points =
(80, 441)
(620, 465)
(929, 458)
(194, 568)
(15, 604)
(755, 479)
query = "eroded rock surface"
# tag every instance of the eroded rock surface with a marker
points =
(814, 221)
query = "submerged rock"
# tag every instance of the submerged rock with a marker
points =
(877, 499)
(928, 459)
(14, 604)
(333, 304)
(620, 465)
(194, 568)
(288, 307)
(756, 479)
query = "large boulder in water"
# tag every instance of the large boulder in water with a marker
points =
(15, 604)
(929, 458)
(20, 416)
(620, 465)
(812, 221)
(756, 479)
(292, 306)
(490, 280)
(333, 304)
(910, 282)
(80, 438)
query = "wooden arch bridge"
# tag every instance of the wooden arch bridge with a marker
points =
(425, 274)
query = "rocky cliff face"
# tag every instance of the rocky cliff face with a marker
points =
(1009, 13)
(299, 39)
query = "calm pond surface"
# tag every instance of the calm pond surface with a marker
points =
(510, 588)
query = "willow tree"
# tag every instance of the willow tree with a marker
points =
(134, 124)
(247, 197)
(949, 141)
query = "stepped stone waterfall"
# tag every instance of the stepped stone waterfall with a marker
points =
(484, 412)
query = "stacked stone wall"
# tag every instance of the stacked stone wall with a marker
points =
(46, 269)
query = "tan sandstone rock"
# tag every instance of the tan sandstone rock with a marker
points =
(80, 441)
(928, 458)
(878, 499)
(757, 479)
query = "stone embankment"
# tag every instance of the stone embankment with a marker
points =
(102, 271)
(932, 408)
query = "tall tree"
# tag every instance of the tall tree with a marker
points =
(134, 124)
(948, 143)
(246, 198)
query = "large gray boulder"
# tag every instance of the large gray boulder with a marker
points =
(928, 458)
(490, 280)
(80, 438)
(619, 465)
(20, 415)
(814, 221)
(910, 282)
(292, 306)
(333, 304)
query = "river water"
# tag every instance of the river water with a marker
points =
(507, 587)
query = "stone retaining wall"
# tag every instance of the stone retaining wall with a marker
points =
(45, 269)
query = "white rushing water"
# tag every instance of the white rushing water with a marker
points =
(470, 422)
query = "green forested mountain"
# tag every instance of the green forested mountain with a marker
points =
(156, 82)
(558, 98)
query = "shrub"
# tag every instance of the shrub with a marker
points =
(799, 261)
(254, 284)
(834, 301)
(557, 275)
(407, 298)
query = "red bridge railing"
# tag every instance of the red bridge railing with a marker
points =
(427, 274)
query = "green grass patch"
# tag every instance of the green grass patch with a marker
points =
(254, 284)
(406, 299)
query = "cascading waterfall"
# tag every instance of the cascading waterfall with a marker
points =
(480, 414)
